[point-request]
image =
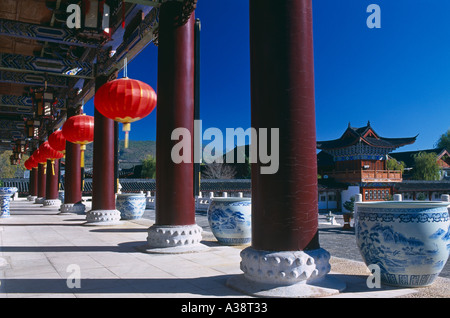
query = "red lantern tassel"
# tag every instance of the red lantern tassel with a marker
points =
(126, 128)
(82, 149)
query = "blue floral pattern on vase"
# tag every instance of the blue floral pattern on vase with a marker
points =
(230, 220)
(5, 199)
(131, 206)
(409, 241)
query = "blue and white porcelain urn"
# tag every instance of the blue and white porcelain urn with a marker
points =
(230, 220)
(130, 205)
(5, 199)
(408, 240)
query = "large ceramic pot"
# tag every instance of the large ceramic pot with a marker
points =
(130, 205)
(409, 241)
(230, 220)
(5, 199)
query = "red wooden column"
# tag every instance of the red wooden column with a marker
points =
(33, 184)
(52, 184)
(103, 196)
(285, 249)
(282, 94)
(72, 179)
(175, 205)
(42, 180)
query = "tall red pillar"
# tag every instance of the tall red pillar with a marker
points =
(103, 196)
(33, 185)
(72, 179)
(175, 227)
(285, 251)
(42, 180)
(52, 184)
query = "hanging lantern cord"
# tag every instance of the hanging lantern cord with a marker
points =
(125, 67)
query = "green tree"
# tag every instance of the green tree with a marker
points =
(9, 171)
(444, 141)
(149, 167)
(425, 167)
(392, 164)
(350, 205)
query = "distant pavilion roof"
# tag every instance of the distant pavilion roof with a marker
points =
(366, 135)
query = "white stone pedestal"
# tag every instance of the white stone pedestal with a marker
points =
(39, 200)
(175, 239)
(286, 274)
(31, 198)
(103, 217)
(52, 203)
(77, 208)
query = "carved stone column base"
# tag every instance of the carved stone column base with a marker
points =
(103, 217)
(52, 203)
(31, 198)
(77, 208)
(39, 200)
(174, 239)
(286, 274)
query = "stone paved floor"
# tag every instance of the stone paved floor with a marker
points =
(40, 251)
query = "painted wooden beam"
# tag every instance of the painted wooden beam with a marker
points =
(58, 67)
(42, 33)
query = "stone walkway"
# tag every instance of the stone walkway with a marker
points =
(41, 253)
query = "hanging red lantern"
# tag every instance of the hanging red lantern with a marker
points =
(30, 163)
(51, 154)
(26, 164)
(33, 162)
(79, 129)
(125, 100)
(39, 156)
(57, 141)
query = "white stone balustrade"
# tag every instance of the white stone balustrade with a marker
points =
(201, 202)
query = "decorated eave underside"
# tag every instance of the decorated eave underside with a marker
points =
(40, 53)
(362, 143)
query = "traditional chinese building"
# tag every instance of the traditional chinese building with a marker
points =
(358, 158)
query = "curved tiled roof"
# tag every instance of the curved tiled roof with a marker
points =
(366, 135)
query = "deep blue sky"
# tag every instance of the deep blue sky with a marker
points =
(398, 77)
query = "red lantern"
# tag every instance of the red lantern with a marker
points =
(26, 164)
(57, 141)
(39, 156)
(33, 162)
(30, 163)
(79, 129)
(51, 154)
(125, 100)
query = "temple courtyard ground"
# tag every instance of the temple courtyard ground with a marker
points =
(42, 254)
